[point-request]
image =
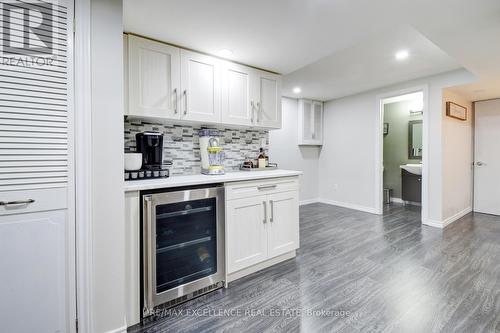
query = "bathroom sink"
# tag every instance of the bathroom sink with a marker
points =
(415, 169)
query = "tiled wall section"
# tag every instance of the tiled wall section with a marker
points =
(181, 144)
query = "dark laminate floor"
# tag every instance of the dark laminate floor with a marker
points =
(389, 273)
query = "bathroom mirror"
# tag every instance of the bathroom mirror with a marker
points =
(415, 140)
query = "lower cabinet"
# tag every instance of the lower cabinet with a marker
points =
(261, 227)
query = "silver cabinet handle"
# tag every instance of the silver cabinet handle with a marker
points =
(258, 111)
(253, 111)
(148, 255)
(266, 187)
(175, 102)
(185, 102)
(271, 202)
(16, 202)
(265, 212)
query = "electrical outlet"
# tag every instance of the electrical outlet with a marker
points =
(335, 187)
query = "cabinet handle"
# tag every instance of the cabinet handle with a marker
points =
(185, 102)
(258, 111)
(266, 187)
(175, 101)
(271, 202)
(253, 110)
(148, 255)
(265, 212)
(16, 202)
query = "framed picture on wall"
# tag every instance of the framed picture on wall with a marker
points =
(456, 111)
(386, 128)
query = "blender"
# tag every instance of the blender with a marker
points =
(212, 154)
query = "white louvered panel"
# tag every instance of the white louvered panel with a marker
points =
(62, 118)
(31, 169)
(33, 140)
(32, 164)
(34, 104)
(23, 128)
(55, 76)
(32, 134)
(9, 86)
(31, 93)
(27, 82)
(26, 122)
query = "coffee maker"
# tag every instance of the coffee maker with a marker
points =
(150, 145)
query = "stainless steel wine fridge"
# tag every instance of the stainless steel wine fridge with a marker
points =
(182, 245)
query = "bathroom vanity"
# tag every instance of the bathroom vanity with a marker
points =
(411, 186)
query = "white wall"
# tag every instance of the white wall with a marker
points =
(108, 232)
(284, 150)
(347, 162)
(458, 155)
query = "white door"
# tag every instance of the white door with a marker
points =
(33, 274)
(153, 79)
(37, 238)
(201, 87)
(283, 231)
(246, 229)
(487, 157)
(268, 96)
(237, 105)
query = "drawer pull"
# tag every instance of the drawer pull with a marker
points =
(266, 187)
(16, 202)
(271, 202)
(265, 212)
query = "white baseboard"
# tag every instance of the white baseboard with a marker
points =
(397, 200)
(433, 223)
(447, 221)
(119, 330)
(308, 201)
(457, 216)
(370, 210)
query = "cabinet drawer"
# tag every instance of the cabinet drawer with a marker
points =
(252, 188)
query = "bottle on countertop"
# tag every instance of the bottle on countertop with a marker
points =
(262, 159)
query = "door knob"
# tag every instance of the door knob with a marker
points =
(479, 163)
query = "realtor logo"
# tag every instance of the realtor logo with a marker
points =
(27, 28)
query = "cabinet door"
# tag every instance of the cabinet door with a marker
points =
(283, 230)
(33, 275)
(237, 103)
(201, 87)
(268, 96)
(154, 78)
(317, 134)
(306, 121)
(246, 230)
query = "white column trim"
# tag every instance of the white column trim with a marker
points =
(83, 162)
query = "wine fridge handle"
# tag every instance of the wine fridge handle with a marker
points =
(148, 255)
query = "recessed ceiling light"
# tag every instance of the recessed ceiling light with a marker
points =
(225, 53)
(297, 90)
(402, 55)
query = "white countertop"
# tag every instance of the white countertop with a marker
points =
(176, 181)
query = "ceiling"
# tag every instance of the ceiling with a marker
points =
(332, 48)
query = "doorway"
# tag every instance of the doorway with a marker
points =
(487, 159)
(401, 154)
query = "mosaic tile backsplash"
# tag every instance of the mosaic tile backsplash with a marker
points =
(181, 144)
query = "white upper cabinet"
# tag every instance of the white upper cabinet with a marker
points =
(238, 107)
(172, 83)
(310, 122)
(153, 79)
(267, 93)
(201, 87)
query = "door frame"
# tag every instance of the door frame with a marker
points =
(83, 159)
(379, 148)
